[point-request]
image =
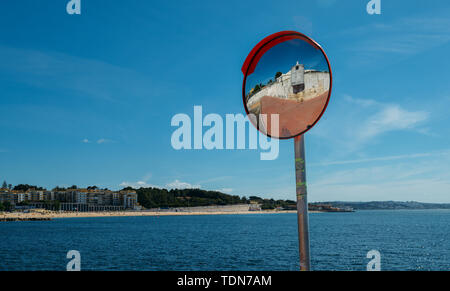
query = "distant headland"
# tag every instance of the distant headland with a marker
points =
(388, 205)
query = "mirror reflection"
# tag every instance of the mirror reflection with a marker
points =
(291, 79)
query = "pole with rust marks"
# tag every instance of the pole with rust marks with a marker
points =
(302, 203)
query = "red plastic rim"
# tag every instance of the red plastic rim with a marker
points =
(266, 44)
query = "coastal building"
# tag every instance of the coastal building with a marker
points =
(80, 196)
(254, 206)
(49, 195)
(35, 195)
(115, 199)
(296, 84)
(298, 78)
(129, 199)
(72, 199)
(19, 197)
(4, 195)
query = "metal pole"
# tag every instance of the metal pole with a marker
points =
(302, 203)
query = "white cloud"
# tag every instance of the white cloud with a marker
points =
(137, 185)
(404, 37)
(226, 190)
(365, 120)
(177, 184)
(422, 190)
(215, 179)
(420, 180)
(360, 102)
(142, 183)
(104, 140)
(379, 159)
(99, 141)
(147, 176)
(390, 118)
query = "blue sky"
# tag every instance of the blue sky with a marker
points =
(88, 99)
(282, 57)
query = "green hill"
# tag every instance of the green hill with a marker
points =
(156, 198)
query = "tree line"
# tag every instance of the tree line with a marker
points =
(270, 204)
(162, 198)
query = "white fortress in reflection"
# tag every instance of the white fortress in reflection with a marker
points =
(297, 84)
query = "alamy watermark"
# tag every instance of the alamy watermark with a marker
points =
(375, 262)
(236, 128)
(73, 7)
(374, 7)
(75, 261)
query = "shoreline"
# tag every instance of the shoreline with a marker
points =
(48, 215)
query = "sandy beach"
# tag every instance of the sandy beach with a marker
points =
(45, 214)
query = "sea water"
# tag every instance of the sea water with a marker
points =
(406, 240)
